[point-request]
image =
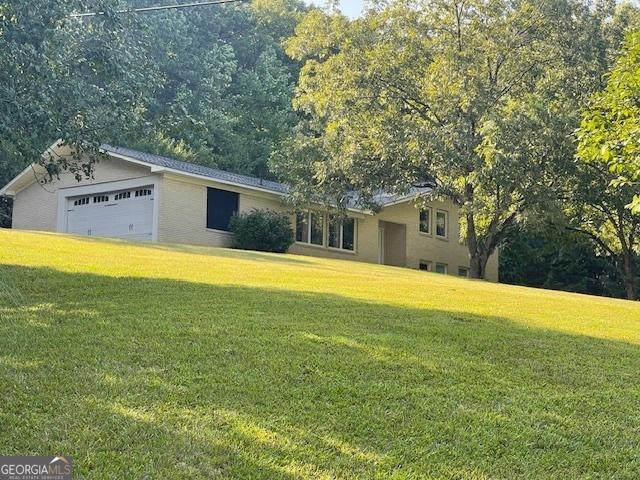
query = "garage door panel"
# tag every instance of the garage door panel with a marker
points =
(129, 218)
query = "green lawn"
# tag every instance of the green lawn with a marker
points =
(184, 362)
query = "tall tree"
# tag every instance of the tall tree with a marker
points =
(477, 97)
(64, 78)
(598, 209)
(208, 84)
(225, 83)
(548, 256)
(610, 130)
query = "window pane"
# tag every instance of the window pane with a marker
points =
(463, 272)
(426, 266)
(317, 230)
(425, 221)
(441, 268)
(441, 224)
(221, 206)
(348, 234)
(334, 232)
(302, 227)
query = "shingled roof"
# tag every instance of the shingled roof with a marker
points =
(382, 199)
(194, 169)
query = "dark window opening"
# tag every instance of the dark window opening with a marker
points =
(122, 195)
(425, 266)
(221, 206)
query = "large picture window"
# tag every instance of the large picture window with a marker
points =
(342, 233)
(310, 228)
(221, 206)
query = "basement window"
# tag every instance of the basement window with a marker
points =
(425, 265)
(463, 272)
(441, 268)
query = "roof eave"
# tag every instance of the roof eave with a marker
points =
(404, 199)
(9, 189)
(159, 169)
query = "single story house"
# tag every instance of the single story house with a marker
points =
(138, 196)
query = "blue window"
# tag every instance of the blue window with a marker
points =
(221, 206)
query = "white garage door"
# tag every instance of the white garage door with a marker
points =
(121, 214)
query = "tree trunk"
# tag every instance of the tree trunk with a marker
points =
(477, 258)
(629, 276)
(478, 265)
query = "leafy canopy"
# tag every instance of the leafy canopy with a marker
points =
(610, 129)
(477, 98)
(208, 84)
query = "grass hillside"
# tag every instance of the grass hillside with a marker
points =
(183, 362)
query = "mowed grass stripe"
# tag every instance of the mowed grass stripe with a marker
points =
(173, 361)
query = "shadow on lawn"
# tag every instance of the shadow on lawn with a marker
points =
(165, 379)
(200, 250)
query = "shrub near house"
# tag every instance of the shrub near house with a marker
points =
(262, 230)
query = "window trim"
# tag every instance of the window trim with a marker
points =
(222, 232)
(446, 225)
(341, 236)
(325, 233)
(430, 232)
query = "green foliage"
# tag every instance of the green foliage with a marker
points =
(6, 206)
(224, 98)
(598, 208)
(610, 129)
(210, 85)
(84, 82)
(558, 259)
(479, 97)
(262, 230)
